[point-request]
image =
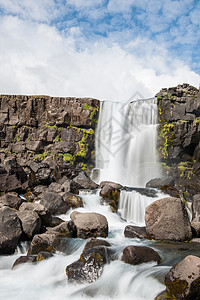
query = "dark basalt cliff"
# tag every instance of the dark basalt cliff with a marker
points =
(43, 128)
(179, 136)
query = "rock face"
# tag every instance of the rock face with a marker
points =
(135, 255)
(36, 128)
(167, 219)
(90, 224)
(10, 230)
(179, 136)
(183, 279)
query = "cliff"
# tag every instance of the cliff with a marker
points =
(43, 128)
(179, 136)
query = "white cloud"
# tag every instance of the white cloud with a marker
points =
(38, 59)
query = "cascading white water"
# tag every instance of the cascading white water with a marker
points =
(126, 138)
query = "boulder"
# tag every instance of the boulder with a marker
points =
(55, 187)
(82, 181)
(11, 199)
(66, 229)
(196, 205)
(183, 280)
(135, 255)
(72, 201)
(54, 203)
(164, 296)
(158, 182)
(110, 183)
(110, 192)
(31, 222)
(131, 231)
(43, 213)
(167, 219)
(90, 224)
(47, 242)
(10, 230)
(89, 267)
(196, 228)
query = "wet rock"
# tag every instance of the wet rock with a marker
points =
(89, 267)
(183, 279)
(24, 260)
(135, 232)
(164, 296)
(170, 190)
(10, 230)
(167, 219)
(47, 242)
(92, 243)
(54, 203)
(43, 213)
(157, 183)
(11, 199)
(135, 255)
(43, 256)
(31, 222)
(72, 201)
(90, 224)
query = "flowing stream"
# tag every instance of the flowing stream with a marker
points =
(126, 153)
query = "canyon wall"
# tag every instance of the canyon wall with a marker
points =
(46, 129)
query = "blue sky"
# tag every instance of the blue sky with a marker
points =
(108, 49)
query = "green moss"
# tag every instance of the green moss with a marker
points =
(41, 156)
(86, 106)
(68, 157)
(16, 138)
(166, 136)
(53, 126)
(196, 121)
(57, 139)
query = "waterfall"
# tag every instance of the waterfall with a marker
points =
(125, 142)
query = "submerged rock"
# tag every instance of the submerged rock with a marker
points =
(183, 279)
(90, 224)
(135, 255)
(167, 219)
(10, 230)
(131, 231)
(24, 260)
